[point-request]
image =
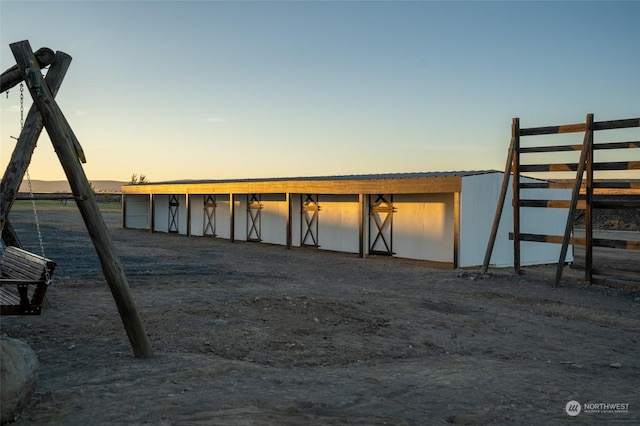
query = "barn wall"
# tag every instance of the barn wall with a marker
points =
(477, 208)
(423, 227)
(196, 203)
(273, 218)
(338, 223)
(241, 214)
(137, 211)
(296, 219)
(478, 205)
(161, 213)
(223, 222)
(423, 224)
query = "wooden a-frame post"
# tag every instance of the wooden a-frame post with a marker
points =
(28, 139)
(69, 153)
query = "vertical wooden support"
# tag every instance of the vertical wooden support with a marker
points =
(69, 154)
(500, 206)
(289, 236)
(23, 151)
(188, 207)
(361, 231)
(456, 230)
(586, 146)
(123, 204)
(9, 236)
(232, 218)
(152, 214)
(588, 218)
(515, 171)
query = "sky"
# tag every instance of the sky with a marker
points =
(228, 90)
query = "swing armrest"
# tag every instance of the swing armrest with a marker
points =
(23, 274)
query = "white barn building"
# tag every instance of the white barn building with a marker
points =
(442, 217)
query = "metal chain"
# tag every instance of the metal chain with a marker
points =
(21, 105)
(33, 201)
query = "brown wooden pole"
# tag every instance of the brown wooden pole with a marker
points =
(23, 151)
(187, 207)
(515, 134)
(60, 135)
(588, 140)
(9, 236)
(289, 236)
(152, 215)
(588, 219)
(456, 230)
(232, 218)
(500, 206)
(362, 251)
(13, 76)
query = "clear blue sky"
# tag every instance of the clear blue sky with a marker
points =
(207, 90)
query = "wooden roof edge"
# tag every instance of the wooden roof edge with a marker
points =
(432, 182)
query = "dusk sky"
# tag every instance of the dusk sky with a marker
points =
(217, 90)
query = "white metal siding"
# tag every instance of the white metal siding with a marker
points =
(339, 223)
(273, 219)
(423, 227)
(478, 205)
(477, 208)
(196, 203)
(161, 213)
(137, 211)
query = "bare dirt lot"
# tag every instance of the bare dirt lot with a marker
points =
(253, 334)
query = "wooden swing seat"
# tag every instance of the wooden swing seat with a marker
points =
(23, 281)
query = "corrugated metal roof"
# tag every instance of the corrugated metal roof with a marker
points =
(375, 176)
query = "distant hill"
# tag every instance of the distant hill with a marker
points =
(53, 186)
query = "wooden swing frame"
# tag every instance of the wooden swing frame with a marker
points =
(45, 112)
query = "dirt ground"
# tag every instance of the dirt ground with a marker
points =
(254, 334)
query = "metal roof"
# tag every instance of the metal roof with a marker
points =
(374, 176)
(382, 183)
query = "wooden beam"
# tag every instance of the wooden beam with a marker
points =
(232, 218)
(500, 206)
(580, 127)
(572, 167)
(550, 148)
(188, 209)
(152, 214)
(456, 230)
(581, 241)
(12, 76)
(616, 124)
(23, 151)
(362, 210)
(588, 209)
(289, 236)
(588, 140)
(9, 236)
(60, 135)
(551, 130)
(516, 169)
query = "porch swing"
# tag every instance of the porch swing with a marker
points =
(24, 276)
(45, 113)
